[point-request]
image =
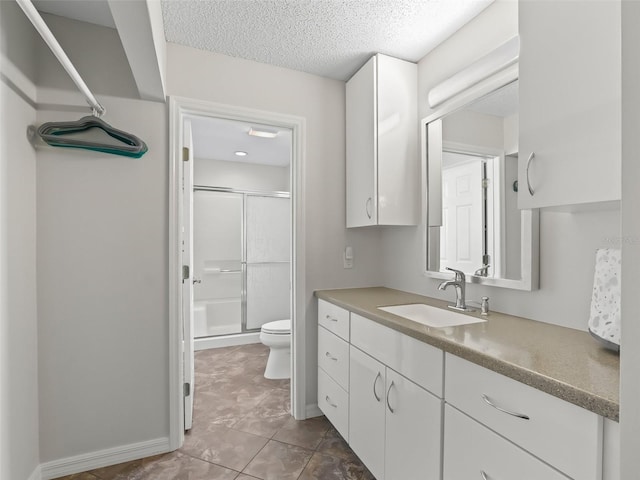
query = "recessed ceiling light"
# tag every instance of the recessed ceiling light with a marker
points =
(263, 133)
(240, 153)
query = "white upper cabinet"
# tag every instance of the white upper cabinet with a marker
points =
(382, 144)
(570, 111)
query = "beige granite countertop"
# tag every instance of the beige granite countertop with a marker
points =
(563, 362)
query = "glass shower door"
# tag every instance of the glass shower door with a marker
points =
(218, 240)
(268, 253)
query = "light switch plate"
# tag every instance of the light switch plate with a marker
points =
(348, 257)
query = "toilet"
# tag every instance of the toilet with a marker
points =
(277, 336)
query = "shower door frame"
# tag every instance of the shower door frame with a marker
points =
(243, 262)
(181, 108)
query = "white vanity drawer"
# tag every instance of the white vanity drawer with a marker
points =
(333, 357)
(416, 360)
(471, 450)
(334, 403)
(334, 318)
(564, 435)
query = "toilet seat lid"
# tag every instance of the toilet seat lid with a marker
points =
(277, 327)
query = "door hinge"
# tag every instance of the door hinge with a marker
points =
(185, 272)
(485, 183)
(187, 389)
(185, 154)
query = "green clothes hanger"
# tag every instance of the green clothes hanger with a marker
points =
(54, 134)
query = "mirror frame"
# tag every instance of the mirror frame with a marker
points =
(431, 129)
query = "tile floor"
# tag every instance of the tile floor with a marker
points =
(242, 430)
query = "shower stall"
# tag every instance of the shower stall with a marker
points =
(242, 252)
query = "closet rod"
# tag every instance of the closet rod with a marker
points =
(44, 31)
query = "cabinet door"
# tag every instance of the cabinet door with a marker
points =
(570, 112)
(398, 164)
(366, 410)
(413, 427)
(362, 154)
(472, 451)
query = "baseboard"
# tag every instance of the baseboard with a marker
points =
(103, 458)
(313, 411)
(226, 341)
(36, 475)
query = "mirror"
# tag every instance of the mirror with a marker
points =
(473, 221)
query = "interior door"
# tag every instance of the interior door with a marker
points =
(461, 242)
(187, 277)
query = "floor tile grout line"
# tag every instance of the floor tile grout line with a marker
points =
(207, 461)
(306, 465)
(252, 458)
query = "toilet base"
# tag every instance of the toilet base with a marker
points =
(278, 364)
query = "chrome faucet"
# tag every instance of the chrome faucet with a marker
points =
(459, 283)
(483, 271)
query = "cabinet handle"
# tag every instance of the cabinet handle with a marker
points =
(483, 475)
(328, 355)
(379, 375)
(367, 207)
(531, 157)
(331, 319)
(514, 414)
(388, 392)
(330, 402)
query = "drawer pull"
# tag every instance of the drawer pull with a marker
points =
(531, 157)
(483, 475)
(375, 394)
(330, 402)
(328, 355)
(331, 319)
(514, 414)
(388, 392)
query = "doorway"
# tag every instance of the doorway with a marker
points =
(182, 294)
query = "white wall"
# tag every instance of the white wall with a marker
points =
(103, 288)
(240, 175)
(567, 241)
(102, 261)
(630, 353)
(218, 78)
(97, 54)
(19, 454)
(472, 128)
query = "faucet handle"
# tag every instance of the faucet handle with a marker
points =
(459, 274)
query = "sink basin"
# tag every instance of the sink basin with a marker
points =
(431, 316)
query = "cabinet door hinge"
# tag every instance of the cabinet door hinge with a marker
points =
(187, 389)
(185, 272)
(185, 154)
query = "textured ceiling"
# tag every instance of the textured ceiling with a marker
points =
(330, 38)
(219, 139)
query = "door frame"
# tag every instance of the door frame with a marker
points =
(179, 108)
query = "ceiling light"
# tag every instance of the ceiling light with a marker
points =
(263, 133)
(240, 153)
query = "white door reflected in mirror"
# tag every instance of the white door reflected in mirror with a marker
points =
(473, 222)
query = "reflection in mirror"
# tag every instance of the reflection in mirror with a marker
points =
(474, 222)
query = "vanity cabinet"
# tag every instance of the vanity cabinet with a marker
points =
(570, 103)
(333, 365)
(395, 422)
(382, 144)
(411, 411)
(486, 455)
(565, 436)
